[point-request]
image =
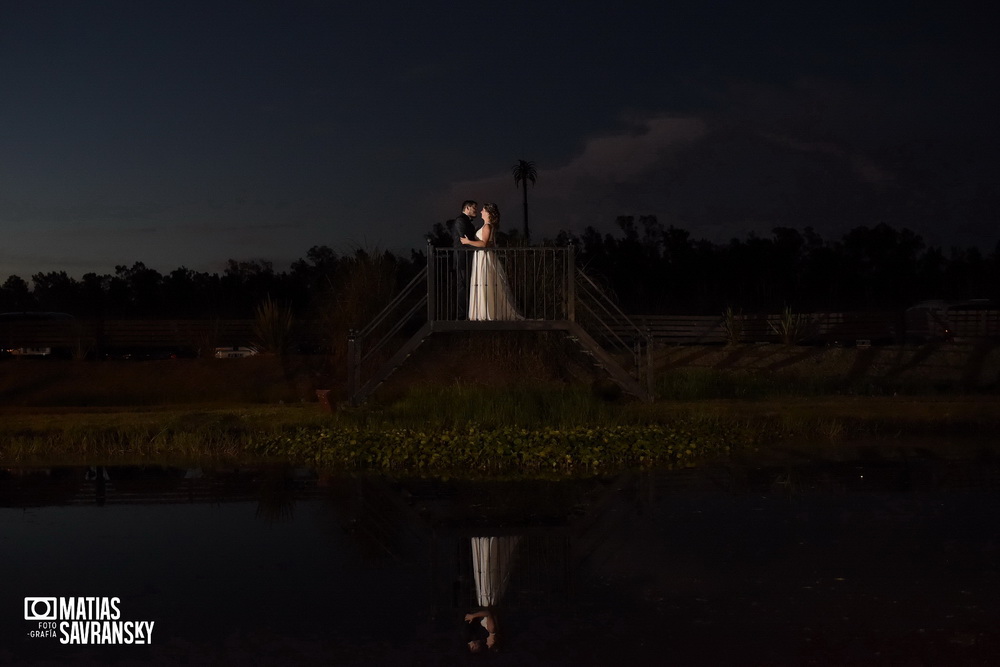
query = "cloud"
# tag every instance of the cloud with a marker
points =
(719, 178)
(864, 167)
(216, 228)
(592, 186)
(624, 157)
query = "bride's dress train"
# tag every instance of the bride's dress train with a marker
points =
(490, 297)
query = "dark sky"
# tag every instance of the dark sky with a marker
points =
(186, 134)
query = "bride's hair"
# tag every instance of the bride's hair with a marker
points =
(494, 213)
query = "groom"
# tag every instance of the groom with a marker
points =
(462, 226)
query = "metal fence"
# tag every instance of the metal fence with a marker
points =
(533, 281)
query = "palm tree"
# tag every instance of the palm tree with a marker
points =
(524, 171)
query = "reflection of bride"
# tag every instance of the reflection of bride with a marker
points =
(490, 297)
(491, 564)
(491, 561)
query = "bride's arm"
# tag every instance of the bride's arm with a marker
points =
(487, 232)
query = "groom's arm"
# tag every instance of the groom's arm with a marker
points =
(460, 230)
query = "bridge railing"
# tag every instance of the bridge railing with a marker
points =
(616, 333)
(370, 347)
(538, 280)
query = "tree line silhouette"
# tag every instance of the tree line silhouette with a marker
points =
(647, 267)
(653, 269)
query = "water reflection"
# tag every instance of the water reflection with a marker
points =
(492, 561)
(880, 558)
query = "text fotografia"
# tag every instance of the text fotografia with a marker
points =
(84, 620)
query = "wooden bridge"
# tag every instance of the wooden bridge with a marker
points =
(549, 293)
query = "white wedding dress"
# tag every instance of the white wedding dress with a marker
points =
(492, 558)
(490, 297)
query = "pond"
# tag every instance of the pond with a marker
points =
(891, 558)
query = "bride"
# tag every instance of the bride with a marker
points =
(489, 293)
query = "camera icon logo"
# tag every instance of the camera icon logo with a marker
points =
(40, 609)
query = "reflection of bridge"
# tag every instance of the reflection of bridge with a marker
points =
(548, 291)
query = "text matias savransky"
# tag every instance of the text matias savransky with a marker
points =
(85, 620)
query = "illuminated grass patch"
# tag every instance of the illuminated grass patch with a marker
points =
(573, 450)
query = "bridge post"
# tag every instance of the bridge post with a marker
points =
(571, 282)
(650, 384)
(353, 367)
(431, 283)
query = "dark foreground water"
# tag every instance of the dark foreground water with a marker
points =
(888, 560)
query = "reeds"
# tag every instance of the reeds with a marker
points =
(272, 327)
(523, 406)
(732, 325)
(792, 328)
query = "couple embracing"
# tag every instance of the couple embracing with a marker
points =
(483, 292)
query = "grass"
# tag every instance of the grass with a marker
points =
(265, 379)
(491, 417)
(526, 406)
(177, 435)
(701, 383)
(771, 371)
(529, 432)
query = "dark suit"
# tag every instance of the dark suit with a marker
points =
(461, 226)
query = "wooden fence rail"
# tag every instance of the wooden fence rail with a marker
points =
(822, 328)
(197, 336)
(125, 333)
